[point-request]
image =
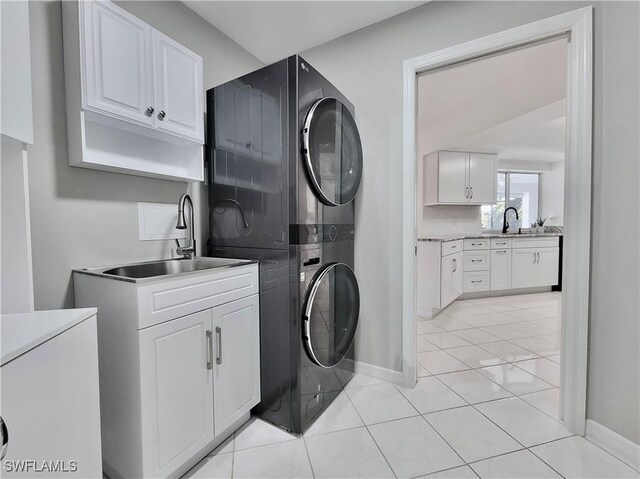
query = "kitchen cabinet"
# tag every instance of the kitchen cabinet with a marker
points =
(50, 401)
(16, 108)
(180, 366)
(439, 275)
(451, 280)
(179, 91)
(117, 61)
(532, 267)
(176, 385)
(460, 178)
(135, 97)
(237, 360)
(500, 269)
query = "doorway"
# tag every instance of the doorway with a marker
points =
(577, 27)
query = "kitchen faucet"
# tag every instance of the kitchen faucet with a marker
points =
(505, 223)
(187, 251)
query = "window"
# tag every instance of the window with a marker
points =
(519, 190)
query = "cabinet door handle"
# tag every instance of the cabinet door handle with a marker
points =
(162, 115)
(501, 242)
(471, 191)
(466, 192)
(501, 252)
(149, 111)
(219, 345)
(476, 281)
(538, 255)
(476, 261)
(209, 349)
(4, 438)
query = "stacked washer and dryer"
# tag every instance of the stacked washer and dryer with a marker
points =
(285, 163)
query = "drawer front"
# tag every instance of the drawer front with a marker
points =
(541, 242)
(475, 244)
(476, 261)
(450, 247)
(500, 243)
(162, 301)
(476, 281)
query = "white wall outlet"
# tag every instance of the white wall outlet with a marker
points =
(157, 221)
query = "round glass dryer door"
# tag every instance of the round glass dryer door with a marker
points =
(332, 152)
(331, 314)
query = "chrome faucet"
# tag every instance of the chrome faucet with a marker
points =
(505, 223)
(187, 251)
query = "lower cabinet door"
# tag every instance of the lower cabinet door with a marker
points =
(500, 269)
(237, 360)
(176, 392)
(457, 280)
(547, 266)
(523, 268)
(447, 267)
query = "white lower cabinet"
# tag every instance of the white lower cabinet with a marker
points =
(176, 391)
(500, 269)
(532, 267)
(179, 365)
(237, 360)
(451, 278)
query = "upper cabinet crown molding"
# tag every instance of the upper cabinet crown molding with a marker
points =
(135, 98)
(460, 178)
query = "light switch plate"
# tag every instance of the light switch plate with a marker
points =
(157, 221)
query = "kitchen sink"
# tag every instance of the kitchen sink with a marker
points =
(153, 269)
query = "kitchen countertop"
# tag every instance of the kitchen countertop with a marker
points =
(22, 332)
(455, 237)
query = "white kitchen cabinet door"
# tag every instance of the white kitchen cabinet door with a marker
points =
(179, 91)
(51, 405)
(117, 63)
(452, 177)
(237, 360)
(500, 269)
(450, 278)
(176, 392)
(523, 268)
(482, 179)
(547, 266)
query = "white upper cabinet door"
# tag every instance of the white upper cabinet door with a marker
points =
(547, 265)
(118, 68)
(176, 392)
(483, 177)
(179, 91)
(237, 358)
(452, 177)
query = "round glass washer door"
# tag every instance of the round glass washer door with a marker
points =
(331, 314)
(332, 151)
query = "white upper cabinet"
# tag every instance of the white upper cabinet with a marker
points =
(452, 177)
(179, 90)
(135, 97)
(15, 71)
(483, 179)
(118, 67)
(460, 178)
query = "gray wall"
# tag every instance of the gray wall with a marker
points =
(367, 67)
(83, 218)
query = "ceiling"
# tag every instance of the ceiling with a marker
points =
(272, 30)
(512, 104)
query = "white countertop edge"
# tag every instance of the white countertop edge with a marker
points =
(21, 332)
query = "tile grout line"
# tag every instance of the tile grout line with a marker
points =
(373, 438)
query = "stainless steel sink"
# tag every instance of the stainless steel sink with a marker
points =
(154, 269)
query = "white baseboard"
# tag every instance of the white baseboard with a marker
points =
(378, 372)
(612, 442)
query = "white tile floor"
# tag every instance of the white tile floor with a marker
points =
(486, 405)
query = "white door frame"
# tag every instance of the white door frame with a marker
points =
(575, 307)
